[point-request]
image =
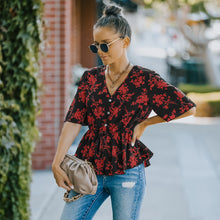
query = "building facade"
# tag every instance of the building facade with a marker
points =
(69, 25)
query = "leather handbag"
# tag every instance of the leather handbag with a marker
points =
(81, 174)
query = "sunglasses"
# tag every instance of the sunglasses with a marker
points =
(104, 47)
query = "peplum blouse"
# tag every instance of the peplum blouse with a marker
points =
(111, 118)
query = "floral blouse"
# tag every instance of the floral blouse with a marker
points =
(112, 118)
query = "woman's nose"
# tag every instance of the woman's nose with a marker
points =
(99, 49)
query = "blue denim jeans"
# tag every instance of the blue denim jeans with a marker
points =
(126, 192)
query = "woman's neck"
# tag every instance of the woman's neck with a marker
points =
(117, 67)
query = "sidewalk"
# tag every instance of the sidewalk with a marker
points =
(183, 181)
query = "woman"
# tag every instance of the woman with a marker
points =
(115, 100)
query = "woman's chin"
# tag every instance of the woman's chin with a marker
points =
(105, 62)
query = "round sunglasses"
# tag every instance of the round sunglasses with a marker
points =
(104, 47)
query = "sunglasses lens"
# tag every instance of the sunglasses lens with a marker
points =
(93, 48)
(104, 47)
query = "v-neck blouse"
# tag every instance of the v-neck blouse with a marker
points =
(112, 118)
(120, 84)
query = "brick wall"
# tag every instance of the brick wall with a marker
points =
(63, 50)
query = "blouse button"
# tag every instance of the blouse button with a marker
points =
(109, 100)
(105, 125)
(108, 113)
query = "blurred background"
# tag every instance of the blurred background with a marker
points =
(180, 40)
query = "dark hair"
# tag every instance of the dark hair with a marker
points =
(113, 18)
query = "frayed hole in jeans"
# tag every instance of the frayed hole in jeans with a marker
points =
(128, 184)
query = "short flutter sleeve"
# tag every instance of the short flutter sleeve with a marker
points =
(166, 100)
(77, 112)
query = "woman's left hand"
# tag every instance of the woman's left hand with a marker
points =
(138, 131)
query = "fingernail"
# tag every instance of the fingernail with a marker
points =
(72, 187)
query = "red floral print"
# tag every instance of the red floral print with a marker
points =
(112, 118)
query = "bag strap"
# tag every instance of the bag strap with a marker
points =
(74, 198)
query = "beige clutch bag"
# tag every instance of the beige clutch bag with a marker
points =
(81, 174)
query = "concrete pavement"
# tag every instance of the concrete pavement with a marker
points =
(183, 181)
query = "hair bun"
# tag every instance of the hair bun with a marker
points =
(112, 10)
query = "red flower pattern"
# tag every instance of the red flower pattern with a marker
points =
(111, 119)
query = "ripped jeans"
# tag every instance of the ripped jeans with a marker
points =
(126, 192)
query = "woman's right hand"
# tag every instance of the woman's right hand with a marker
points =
(69, 132)
(61, 178)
